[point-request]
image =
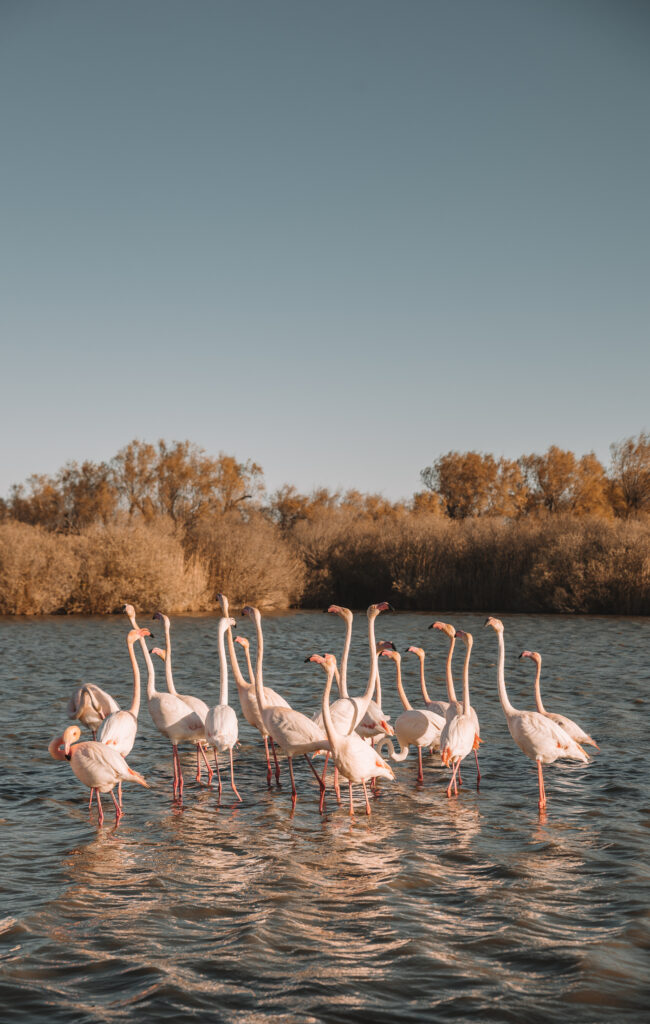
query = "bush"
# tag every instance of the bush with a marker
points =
(38, 570)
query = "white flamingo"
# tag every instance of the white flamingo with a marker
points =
(221, 726)
(248, 698)
(293, 732)
(454, 706)
(355, 760)
(573, 729)
(420, 727)
(99, 767)
(459, 734)
(119, 729)
(194, 703)
(541, 739)
(173, 718)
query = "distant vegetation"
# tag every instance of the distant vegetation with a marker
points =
(170, 526)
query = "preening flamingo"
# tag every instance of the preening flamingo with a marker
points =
(292, 731)
(221, 726)
(459, 734)
(573, 729)
(91, 705)
(99, 767)
(355, 759)
(541, 739)
(420, 727)
(248, 698)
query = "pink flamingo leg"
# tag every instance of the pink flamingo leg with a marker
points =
(324, 776)
(198, 763)
(420, 777)
(268, 761)
(452, 781)
(318, 780)
(460, 781)
(542, 791)
(119, 793)
(294, 793)
(118, 809)
(216, 763)
(100, 811)
(478, 770)
(351, 800)
(275, 758)
(207, 763)
(90, 802)
(365, 793)
(232, 777)
(337, 788)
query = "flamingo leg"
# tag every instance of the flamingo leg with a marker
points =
(119, 794)
(316, 776)
(337, 788)
(90, 802)
(178, 788)
(478, 770)
(94, 732)
(420, 777)
(275, 758)
(118, 809)
(207, 763)
(198, 763)
(100, 811)
(365, 793)
(294, 793)
(452, 781)
(351, 800)
(460, 781)
(216, 764)
(327, 757)
(268, 761)
(232, 777)
(542, 791)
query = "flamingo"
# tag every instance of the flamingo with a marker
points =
(119, 729)
(459, 734)
(90, 705)
(540, 738)
(194, 703)
(173, 718)
(294, 732)
(221, 726)
(355, 760)
(248, 699)
(96, 765)
(244, 642)
(455, 707)
(420, 727)
(569, 726)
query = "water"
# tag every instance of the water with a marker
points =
(466, 909)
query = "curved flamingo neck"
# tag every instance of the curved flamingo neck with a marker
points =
(451, 692)
(168, 660)
(332, 734)
(259, 690)
(151, 672)
(423, 685)
(249, 665)
(466, 680)
(538, 691)
(373, 684)
(501, 681)
(54, 749)
(343, 677)
(236, 671)
(135, 703)
(400, 688)
(223, 664)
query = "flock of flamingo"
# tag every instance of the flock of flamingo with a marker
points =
(352, 730)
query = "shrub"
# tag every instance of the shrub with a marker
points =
(38, 570)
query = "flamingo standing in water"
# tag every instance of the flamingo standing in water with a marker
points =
(355, 760)
(573, 729)
(420, 727)
(90, 705)
(248, 698)
(459, 734)
(99, 767)
(119, 729)
(291, 730)
(221, 726)
(540, 738)
(455, 707)
(194, 703)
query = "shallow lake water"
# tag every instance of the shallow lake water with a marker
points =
(470, 908)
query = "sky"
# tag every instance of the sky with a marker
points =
(338, 238)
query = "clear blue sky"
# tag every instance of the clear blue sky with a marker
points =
(339, 238)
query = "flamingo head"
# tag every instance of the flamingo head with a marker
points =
(136, 634)
(445, 627)
(496, 624)
(227, 621)
(159, 651)
(162, 618)
(326, 660)
(129, 610)
(463, 635)
(70, 736)
(344, 613)
(388, 650)
(223, 601)
(243, 640)
(249, 610)
(533, 655)
(416, 650)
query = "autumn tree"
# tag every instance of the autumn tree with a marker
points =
(559, 482)
(630, 475)
(473, 484)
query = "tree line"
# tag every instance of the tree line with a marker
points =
(169, 524)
